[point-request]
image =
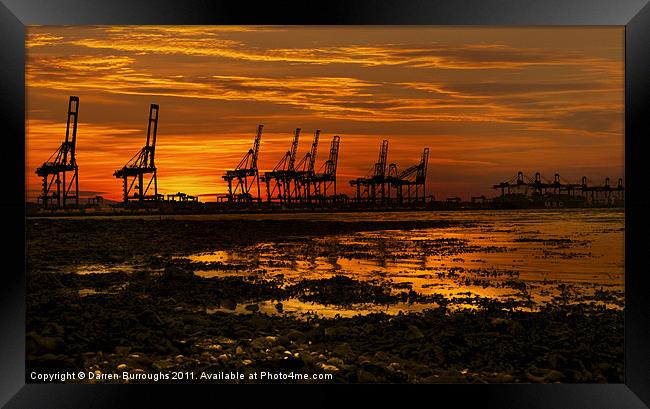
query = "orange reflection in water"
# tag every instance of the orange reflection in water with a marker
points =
(541, 256)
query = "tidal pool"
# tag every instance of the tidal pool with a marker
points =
(536, 256)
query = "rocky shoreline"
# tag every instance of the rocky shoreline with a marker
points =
(161, 317)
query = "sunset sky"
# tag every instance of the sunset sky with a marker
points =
(486, 101)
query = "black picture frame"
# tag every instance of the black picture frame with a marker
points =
(15, 15)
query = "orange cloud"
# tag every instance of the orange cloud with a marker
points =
(486, 106)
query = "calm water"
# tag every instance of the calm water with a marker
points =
(538, 256)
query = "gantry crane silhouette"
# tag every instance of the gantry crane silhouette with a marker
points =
(375, 182)
(537, 186)
(325, 178)
(141, 164)
(413, 176)
(245, 174)
(305, 171)
(280, 182)
(63, 161)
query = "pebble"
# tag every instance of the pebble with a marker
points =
(295, 335)
(284, 341)
(336, 362)
(344, 351)
(229, 304)
(336, 331)
(394, 366)
(252, 307)
(163, 364)
(263, 342)
(366, 377)
(414, 333)
(47, 343)
(122, 350)
(329, 368)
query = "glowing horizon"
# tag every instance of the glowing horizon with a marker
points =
(487, 101)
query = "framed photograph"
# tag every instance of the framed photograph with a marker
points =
(447, 195)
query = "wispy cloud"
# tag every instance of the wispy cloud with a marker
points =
(483, 104)
(40, 40)
(205, 41)
(344, 98)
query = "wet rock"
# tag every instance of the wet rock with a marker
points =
(51, 344)
(252, 307)
(554, 376)
(365, 377)
(278, 350)
(343, 350)
(431, 379)
(194, 319)
(229, 304)
(263, 342)
(54, 329)
(174, 271)
(328, 368)
(338, 362)
(207, 357)
(164, 346)
(122, 350)
(336, 331)
(315, 332)
(149, 317)
(297, 336)
(450, 377)
(163, 364)
(542, 375)
(285, 341)
(394, 367)
(142, 336)
(413, 332)
(56, 362)
(260, 323)
(225, 341)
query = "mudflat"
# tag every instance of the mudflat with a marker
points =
(475, 297)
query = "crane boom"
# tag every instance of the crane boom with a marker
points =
(333, 159)
(424, 162)
(312, 154)
(73, 111)
(380, 166)
(294, 149)
(256, 147)
(152, 130)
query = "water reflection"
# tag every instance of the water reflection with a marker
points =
(532, 256)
